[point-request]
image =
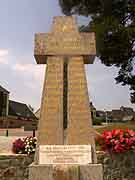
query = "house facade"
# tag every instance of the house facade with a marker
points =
(117, 115)
(4, 99)
(15, 114)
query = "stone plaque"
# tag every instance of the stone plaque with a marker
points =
(65, 154)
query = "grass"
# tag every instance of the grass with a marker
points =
(117, 126)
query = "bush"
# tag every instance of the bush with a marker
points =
(97, 121)
(24, 146)
(117, 141)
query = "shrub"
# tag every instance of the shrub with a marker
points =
(117, 141)
(97, 121)
(24, 146)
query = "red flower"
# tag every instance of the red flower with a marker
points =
(117, 140)
(18, 146)
(24, 146)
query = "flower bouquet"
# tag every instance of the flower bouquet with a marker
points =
(24, 146)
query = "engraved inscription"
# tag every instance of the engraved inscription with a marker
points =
(61, 44)
(65, 154)
(67, 44)
(64, 39)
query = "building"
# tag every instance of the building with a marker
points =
(121, 115)
(127, 110)
(4, 98)
(92, 110)
(15, 114)
(100, 114)
(128, 113)
(117, 115)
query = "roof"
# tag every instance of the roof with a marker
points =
(116, 111)
(100, 111)
(37, 113)
(3, 90)
(127, 109)
(20, 109)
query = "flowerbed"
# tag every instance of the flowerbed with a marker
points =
(25, 145)
(114, 141)
(117, 141)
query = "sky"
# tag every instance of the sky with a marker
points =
(19, 21)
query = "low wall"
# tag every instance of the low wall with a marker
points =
(16, 122)
(14, 167)
(118, 167)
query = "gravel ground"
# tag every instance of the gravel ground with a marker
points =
(6, 144)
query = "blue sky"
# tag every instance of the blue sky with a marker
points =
(20, 20)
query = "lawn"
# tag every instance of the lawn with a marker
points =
(116, 126)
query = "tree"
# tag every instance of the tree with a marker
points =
(113, 22)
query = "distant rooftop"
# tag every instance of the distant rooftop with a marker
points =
(3, 90)
(20, 109)
(127, 109)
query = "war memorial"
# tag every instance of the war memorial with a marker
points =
(65, 102)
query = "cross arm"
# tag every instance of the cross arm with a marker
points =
(65, 44)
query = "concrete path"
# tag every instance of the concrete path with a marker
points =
(6, 144)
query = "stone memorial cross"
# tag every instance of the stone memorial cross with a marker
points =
(65, 100)
(65, 106)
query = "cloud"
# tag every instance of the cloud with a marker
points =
(30, 70)
(3, 52)
(4, 56)
(98, 74)
(102, 87)
(28, 83)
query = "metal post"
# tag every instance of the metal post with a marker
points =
(7, 133)
(33, 132)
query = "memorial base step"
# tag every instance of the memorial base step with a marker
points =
(66, 172)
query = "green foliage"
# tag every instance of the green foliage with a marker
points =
(113, 21)
(97, 121)
(123, 126)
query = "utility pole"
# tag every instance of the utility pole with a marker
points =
(106, 119)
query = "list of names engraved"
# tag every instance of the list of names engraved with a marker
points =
(65, 154)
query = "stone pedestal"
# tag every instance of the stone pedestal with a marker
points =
(65, 172)
(91, 172)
